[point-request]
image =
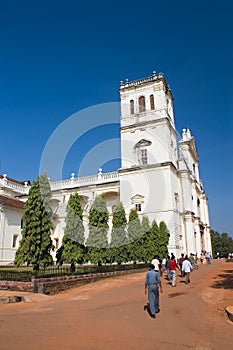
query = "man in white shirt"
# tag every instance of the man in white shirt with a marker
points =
(186, 268)
(156, 263)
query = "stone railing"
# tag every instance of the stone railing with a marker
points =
(22, 189)
(64, 184)
(128, 84)
(84, 181)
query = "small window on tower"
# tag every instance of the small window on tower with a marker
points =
(194, 168)
(138, 207)
(152, 102)
(15, 238)
(142, 104)
(56, 243)
(143, 156)
(131, 107)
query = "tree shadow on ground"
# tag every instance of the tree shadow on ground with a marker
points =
(224, 280)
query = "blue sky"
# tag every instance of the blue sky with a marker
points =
(59, 57)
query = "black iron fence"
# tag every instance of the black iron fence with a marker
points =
(14, 274)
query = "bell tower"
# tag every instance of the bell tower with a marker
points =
(148, 133)
(149, 157)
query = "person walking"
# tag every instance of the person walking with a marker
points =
(156, 263)
(201, 258)
(163, 266)
(191, 259)
(207, 256)
(167, 268)
(186, 268)
(180, 262)
(173, 266)
(152, 284)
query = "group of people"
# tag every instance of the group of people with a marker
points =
(158, 268)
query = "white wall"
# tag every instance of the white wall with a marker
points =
(10, 225)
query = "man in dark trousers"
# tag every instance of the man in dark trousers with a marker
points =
(152, 284)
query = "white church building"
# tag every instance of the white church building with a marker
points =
(159, 176)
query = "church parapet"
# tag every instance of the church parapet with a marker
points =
(85, 181)
(156, 76)
(14, 186)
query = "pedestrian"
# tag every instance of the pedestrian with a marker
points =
(186, 268)
(156, 263)
(167, 267)
(172, 256)
(196, 261)
(163, 266)
(180, 262)
(173, 266)
(201, 258)
(152, 284)
(207, 257)
(191, 259)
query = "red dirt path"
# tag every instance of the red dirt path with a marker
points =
(109, 315)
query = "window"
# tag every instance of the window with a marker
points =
(198, 202)
(21, 223)
(131, 107)
(138, 207)
(56, 243)
(143, 153)
(142, 104)
(15, 238)
(152, 102)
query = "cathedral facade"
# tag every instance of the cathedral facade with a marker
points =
(159, 176)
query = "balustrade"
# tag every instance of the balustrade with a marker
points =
(84, 181)
(14, 186)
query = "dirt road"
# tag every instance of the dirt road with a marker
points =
(109, 315)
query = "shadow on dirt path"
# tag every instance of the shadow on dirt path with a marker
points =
(111, 314)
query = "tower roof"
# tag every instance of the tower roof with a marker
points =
(153, 78)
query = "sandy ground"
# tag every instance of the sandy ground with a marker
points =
(110, 314)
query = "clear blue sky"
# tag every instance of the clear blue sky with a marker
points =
(58, 57)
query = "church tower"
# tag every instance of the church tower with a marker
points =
(148, 174)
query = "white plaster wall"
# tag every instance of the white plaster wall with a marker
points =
(161, 149)
(162, 101)
(10, 225)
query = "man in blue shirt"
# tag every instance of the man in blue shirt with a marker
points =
(151, 286)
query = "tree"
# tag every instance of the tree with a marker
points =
(163, 240)
(98, 228)
(216, 243)
(73, 241)
(153, 241)
(36, 243)
(117, 252)
(144, 242)
(221, 243)
(134, 233)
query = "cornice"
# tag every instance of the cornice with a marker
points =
(148, 123)
(190, 145)
(147, 167)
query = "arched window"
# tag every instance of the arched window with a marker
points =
(143, 156)
(142, 104)
(131, 107)
(152, 102)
